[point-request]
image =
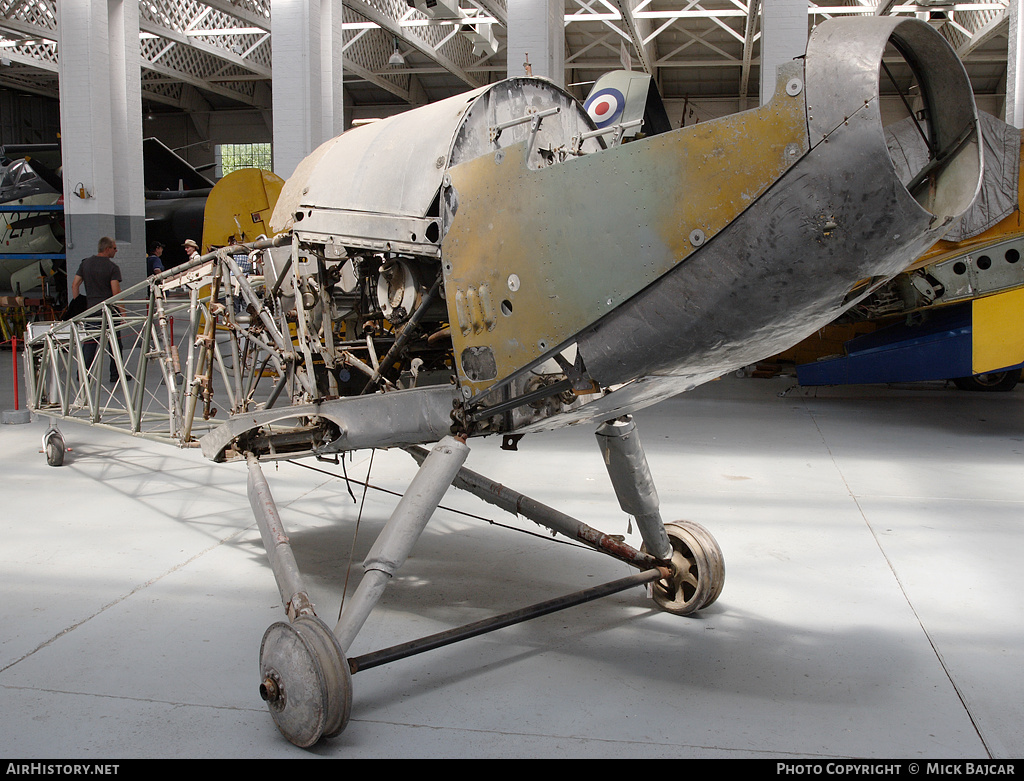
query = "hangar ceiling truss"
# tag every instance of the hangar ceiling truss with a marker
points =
(217, 53)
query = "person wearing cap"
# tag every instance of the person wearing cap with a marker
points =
(154, 265)
(191, 249)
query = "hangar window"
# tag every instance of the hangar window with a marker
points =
(231, 157)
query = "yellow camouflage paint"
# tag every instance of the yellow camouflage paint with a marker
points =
(534, 256)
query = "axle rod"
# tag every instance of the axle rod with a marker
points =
(429, 643)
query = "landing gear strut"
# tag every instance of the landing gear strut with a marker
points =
(305, 676)
(696, 563)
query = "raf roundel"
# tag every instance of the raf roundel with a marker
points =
(605, 107)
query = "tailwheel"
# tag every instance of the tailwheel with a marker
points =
(305, 680)
(698, 570)
(53, 445)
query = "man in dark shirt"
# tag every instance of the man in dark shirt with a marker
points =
(101, 275)
(154, 265)
(102, 278)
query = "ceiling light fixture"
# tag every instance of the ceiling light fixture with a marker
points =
(396, 60)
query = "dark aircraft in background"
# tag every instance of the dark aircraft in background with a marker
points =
(31, 221)
(175, 194)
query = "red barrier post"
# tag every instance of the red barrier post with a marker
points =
(14, 358)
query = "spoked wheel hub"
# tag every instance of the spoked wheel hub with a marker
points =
(698, 570)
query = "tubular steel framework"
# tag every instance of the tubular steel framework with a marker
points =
(170, 344)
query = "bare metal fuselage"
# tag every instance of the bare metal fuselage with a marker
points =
(582, 282)
(492, 264)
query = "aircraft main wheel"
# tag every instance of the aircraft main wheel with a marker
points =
(993, 381)
(53, 444)
(305, 680)
(698, 570)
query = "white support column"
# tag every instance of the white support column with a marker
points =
(306, 39)
(101, 131)
(332, 42)
(1014, 112)
(537, 28)
(783, 37)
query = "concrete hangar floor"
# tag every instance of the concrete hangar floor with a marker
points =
(872, 605)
